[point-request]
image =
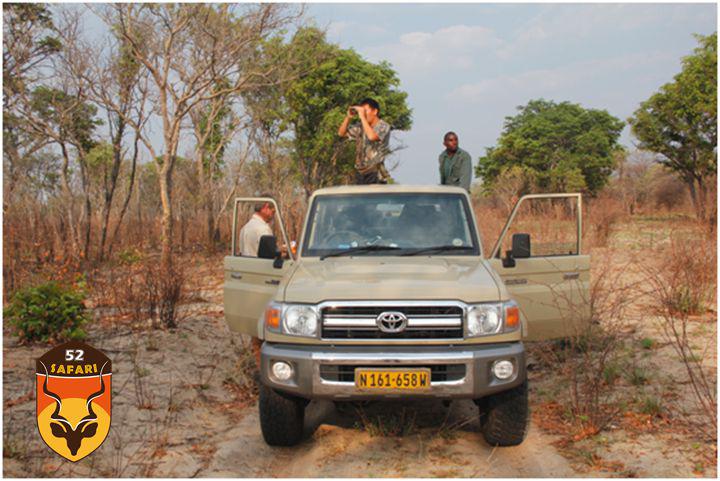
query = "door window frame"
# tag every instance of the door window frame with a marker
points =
(278, 219)
(496, 249)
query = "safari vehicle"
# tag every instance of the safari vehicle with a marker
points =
(390, 296)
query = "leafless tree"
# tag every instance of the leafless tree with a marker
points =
(194, 53)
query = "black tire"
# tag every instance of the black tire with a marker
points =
(281, 417)
(504, 417)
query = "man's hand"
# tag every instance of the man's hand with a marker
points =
(359, 110)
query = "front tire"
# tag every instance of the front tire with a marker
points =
(282, 417)
(504, 417)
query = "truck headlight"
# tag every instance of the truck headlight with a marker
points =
(484, 319)
(300, 320)
(492, 318)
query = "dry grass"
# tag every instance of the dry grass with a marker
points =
(682, 287)
(587, 360)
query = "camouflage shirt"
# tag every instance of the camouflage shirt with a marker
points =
(369, 155)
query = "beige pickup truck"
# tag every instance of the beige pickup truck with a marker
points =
(390, 296)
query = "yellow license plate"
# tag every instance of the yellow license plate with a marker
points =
(410, 379)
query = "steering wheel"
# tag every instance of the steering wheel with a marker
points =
(343, 234)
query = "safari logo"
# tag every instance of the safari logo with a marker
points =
(73, 384)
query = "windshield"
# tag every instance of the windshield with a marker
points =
(403, 223)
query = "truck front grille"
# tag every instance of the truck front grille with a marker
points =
(346, 372)
(423, 322)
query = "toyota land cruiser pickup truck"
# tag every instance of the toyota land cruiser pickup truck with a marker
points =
(390, 296)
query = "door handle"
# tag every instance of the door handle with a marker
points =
(571, 275)
(235, 275)
(273, 282)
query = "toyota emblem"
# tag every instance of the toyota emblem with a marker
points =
(391, 322)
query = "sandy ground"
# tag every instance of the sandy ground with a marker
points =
(181, 409)
(173, 415)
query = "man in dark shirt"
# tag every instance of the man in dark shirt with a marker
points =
(372, 141)
(455, 163)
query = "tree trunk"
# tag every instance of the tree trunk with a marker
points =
(702, 199)
(65, 181)
(126, 203)
(88, 209)
(166, 238)
(110, 189)
(693, 196)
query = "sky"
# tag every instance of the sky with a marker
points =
(466, 67)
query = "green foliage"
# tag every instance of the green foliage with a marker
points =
(680, 120)
(47, 312)
(648, 343)
(72, 118)
(328, 80)
(555, 147)
(28, 40)
(100, 156)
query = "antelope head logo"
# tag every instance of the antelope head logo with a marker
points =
(87, 427)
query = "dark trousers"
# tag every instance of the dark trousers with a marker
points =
(371, 177)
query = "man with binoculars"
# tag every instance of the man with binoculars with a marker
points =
(372, 141)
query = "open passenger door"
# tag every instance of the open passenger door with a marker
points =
(251, 282)
(549, 279)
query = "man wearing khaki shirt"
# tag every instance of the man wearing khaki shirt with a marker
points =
(455, 163)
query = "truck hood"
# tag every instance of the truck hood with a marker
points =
(391, 278)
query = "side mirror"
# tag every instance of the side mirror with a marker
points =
(521, 246)
(267, 249)
(508, 260)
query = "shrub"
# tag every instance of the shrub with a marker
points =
(682, 284)
(589, 362)
(651, 405)
(603, 213)
(648, 343)
(129, 256)
(638, 376)
(687, 274)
(47, 312)
(611, 373)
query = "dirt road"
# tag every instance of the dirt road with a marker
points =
(183, 406)
(176, 412)
(446, 443)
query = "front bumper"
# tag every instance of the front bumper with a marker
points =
(470, 366)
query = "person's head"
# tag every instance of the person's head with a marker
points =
(265, 210)
(372, 108)
(450, 141)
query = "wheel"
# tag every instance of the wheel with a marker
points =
(504, 416)
(281, 417)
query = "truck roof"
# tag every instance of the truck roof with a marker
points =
(389, 188)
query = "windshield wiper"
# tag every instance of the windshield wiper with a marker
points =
(360, 249)
(437, 249)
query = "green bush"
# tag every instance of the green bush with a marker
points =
(648, 343)
(47, 312)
